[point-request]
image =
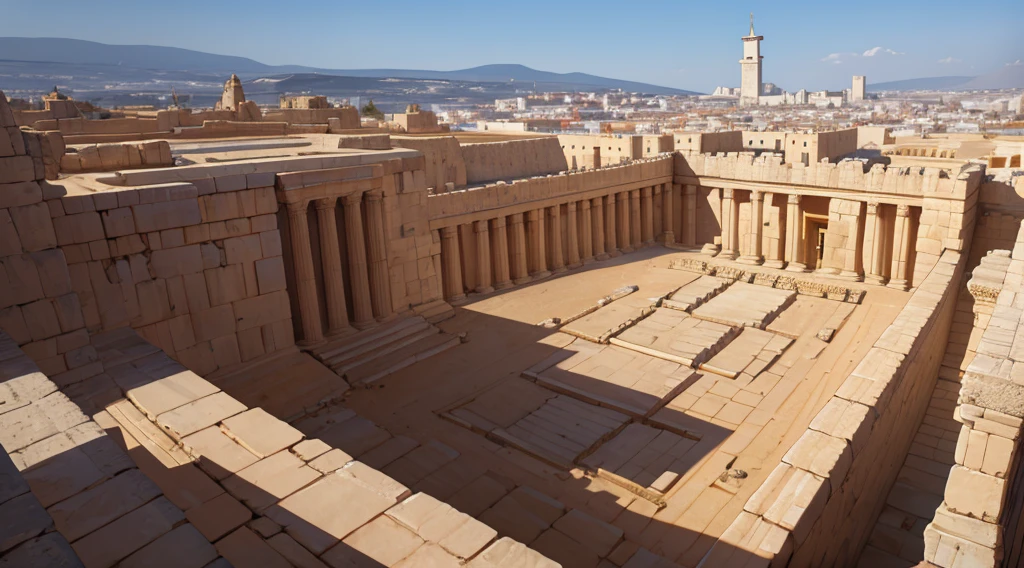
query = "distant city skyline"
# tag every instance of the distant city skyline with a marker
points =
(674, 44)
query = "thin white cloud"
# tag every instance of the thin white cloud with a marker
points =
(1017, 63)
(880, 50)
(832, 58)
(950, 60)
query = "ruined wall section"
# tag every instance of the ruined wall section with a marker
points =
(39, 308)
(109, 157)
(490, 161)
(195, 267)
(443, 159)
(818, 506)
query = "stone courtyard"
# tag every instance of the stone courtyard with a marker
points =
(283, 339)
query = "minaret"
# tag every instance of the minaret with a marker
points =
(750, 68)
(233, 95)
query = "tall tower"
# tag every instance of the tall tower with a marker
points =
(859, 86)
(232, 96)
(750, 68)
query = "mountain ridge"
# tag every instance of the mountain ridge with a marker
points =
(83, 52)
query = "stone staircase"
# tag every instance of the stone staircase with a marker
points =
(373, 354)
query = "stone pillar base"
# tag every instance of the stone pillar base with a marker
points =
(728, 255)
(749, 259)
(851, 276)
(484, 289)
(779, 264)
(370, 323)
(558, 270)
(668, 237)
(709, 249)
(503, 285)
(457, 300)
(614, 254)
(626, 250)
(796, 267)
(602, 256)
(876, 279)
(523, 280)
(897, 284)
(539, 275)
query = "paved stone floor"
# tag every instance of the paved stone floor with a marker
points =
(704, 438)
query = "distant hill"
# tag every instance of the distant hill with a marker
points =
(155, 58)
(922, 84)
(1006, 77)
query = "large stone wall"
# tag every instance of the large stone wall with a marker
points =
(818, 506)
(490, 161)
(443, 156)
(599, 151)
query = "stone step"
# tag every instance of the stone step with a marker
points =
(387, 345)
(380, 367)
(436, 311)
(367, 340)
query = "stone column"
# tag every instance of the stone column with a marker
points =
(690, 215)
(668, 235)
(380, 278)
(622, 222)
(554, 239)
(647, 215)
(901, 249)
(483, 258)
(597, 227)
(635, 220)
(536, 251)
(330, 258)
(572, 242)
(756, 234)
(658, 203)
(610, 230)
(773, 257)
(587, 239)
(795, 235)
(305, 276)
(874, 229)
(853, 268)
(362, 306)
(451, 265)
(499, 243)
(517, 250)
(730, 228)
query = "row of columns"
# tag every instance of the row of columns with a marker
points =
(870, 245)
(528, 246)
(368, 283)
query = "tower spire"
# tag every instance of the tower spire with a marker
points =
(751, 24)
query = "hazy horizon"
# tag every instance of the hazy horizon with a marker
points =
(812, 47)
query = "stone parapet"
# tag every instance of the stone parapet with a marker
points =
(978, 520)
(851, 175)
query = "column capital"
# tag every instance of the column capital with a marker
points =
(498, 223)
(903, 210)
(449, 232)
(646, 191)
(352, 198)
(793, 198)
(727, 193)
(480, 226)
(375, 195)
(624, 196)
(326, 202)
(534, 214)
(689, 189)
(873, 207)
(756, 195)
(297, 207)
(571, 206)
(517, 218)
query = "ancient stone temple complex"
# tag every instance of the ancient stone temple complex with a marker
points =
(280, 337)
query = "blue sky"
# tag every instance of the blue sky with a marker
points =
(678, 43)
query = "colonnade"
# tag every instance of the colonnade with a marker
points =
(516, 248)
(368, 281)
(868, 242)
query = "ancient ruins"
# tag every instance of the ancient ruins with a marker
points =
(287, 337)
